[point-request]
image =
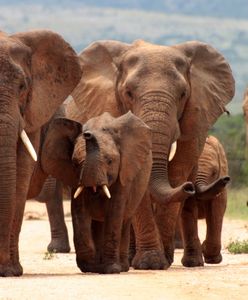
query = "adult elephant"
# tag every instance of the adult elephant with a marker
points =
(179, 91)
(209, 202)
(38, 70)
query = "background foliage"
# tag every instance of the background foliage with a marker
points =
(230, 130)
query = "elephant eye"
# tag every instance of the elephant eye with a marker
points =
(183, 94)
(108, 160)
(21, 86)
(129, 95)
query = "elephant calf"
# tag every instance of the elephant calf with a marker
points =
(107, 162)
(210, 203)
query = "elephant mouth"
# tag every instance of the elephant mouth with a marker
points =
(96, 190)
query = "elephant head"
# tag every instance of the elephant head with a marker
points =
(103, 151)
(212, 172)
(38, 71)
(178, 91)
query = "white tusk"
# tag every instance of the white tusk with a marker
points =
(173, 150)
(28, 145)
(78, 191)
(106, 191)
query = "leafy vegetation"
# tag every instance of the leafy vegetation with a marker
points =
(238, 247)
(230, 130)
(237, 204)
(48, 255)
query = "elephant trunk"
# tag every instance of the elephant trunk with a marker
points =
(8, 149)
(165, 130)
(208, 191)
(92, 174)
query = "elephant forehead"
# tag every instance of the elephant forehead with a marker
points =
(162, 55)
(99, 122)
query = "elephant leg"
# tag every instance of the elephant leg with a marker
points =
(97, 233)
(178, 234)
(25, 166)
(132, 245)
(192, 256)
(149, 250)
(124, 247)
(52, 194)
(166, 219)
(112, 232)
(82, 236)
(215, 210)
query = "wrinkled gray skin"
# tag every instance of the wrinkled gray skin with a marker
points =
(116, 153)
(38, 71)
(209, 202)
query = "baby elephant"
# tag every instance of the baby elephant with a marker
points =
(107, 162)
(210, 200)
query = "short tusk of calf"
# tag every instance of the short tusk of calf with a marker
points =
(106, 191)
(28, 145)
(78, 191)
(173, 150)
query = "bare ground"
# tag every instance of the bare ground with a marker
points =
(59, 278)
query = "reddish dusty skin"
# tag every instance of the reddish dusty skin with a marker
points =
(179, 91)
(38, 71)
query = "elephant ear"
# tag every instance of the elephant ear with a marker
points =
(58, 148)
(212, 87)
(55, 71)
(99, 62)
(135, 146)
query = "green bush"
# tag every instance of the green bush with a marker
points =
(237, 203)
(238, 247)
(230, 130)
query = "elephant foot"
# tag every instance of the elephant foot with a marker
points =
(85, 267)
(150, 260)
(11, 270)
(178, 244)
(59, 245)
(213, 259)
(113, 268)
(125, 265)
(131, 255)
(192, 260)
(211, 253)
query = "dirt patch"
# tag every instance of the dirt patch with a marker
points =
(59, 278)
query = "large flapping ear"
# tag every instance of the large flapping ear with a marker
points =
(57, 150)
(212, 87)
(135, 146)
(55, 71)
(96, 90)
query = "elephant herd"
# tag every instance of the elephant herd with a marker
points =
(125, 126)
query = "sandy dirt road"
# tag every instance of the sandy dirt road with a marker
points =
(59, 278)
